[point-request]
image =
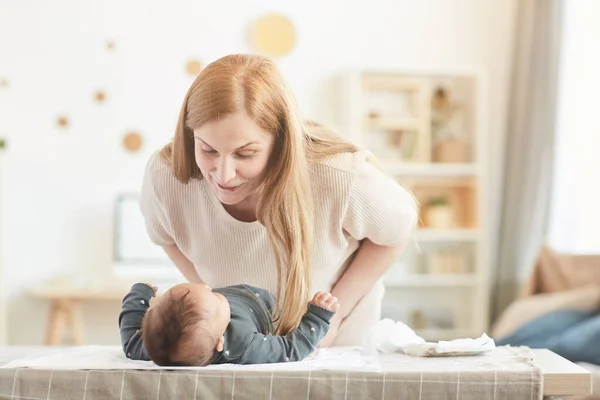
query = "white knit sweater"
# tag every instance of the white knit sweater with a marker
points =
(353, 200)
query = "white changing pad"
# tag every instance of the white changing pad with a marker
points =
(112, 358)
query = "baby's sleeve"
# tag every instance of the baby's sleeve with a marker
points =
(295, 346)
(153, 211)
(379, 208)
(134, 307)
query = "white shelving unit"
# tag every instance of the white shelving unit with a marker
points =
(426, 128)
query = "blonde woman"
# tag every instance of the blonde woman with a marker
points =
(247, 193)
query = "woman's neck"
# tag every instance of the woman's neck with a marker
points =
(245, 210)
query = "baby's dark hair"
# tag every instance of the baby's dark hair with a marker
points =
(175, 332)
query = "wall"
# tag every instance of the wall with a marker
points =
(59, 184)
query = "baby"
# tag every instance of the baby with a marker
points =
(193, 325)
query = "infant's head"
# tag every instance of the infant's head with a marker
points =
(186, 325)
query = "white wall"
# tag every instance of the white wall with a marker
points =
(59, 185)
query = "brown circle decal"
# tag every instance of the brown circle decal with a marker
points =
(99, 96)
(62, 121)
(132, 141)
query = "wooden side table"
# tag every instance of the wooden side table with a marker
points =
(65, 309)
(562, 378)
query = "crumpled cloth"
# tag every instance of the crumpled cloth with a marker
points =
(388, 336)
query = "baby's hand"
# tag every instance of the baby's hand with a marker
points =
(326, 300)
(155, 288)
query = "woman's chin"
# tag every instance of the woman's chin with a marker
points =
(227, 196)
(229, 199)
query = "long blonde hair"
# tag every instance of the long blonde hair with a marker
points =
(253, 84)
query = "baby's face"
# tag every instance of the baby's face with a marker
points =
(215, 304)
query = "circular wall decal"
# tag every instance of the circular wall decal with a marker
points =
(194, 67)
(3, 83)
(132, 141)
(99, 96)
(273, 34)
(110, 45)
(63, 121)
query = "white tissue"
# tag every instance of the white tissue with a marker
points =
(388, 336)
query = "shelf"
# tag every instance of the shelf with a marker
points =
(447, 235)
(393, 124)
(408, 120)
(431, 169)
(431, 280)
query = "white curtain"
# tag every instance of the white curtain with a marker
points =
(529, 152)
(575, 210)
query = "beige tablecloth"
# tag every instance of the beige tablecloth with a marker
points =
(340, 373)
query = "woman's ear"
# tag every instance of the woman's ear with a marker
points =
(220, 344)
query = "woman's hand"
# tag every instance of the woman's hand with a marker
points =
(332, 333)
(328, 302)
(367, 267)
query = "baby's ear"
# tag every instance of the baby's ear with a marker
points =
(220, 344)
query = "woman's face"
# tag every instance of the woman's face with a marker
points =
(232, 154)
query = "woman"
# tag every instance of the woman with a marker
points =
(248, 194)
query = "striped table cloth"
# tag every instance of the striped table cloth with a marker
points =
(101, 372)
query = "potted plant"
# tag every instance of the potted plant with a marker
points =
(439, 213)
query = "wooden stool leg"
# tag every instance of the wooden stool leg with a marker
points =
(75, 323)
(56, 323)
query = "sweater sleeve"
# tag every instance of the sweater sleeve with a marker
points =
(157, 223)
(295, 346)
(379, 208)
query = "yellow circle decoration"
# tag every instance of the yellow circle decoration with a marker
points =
(273, 34)
(132, 141)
